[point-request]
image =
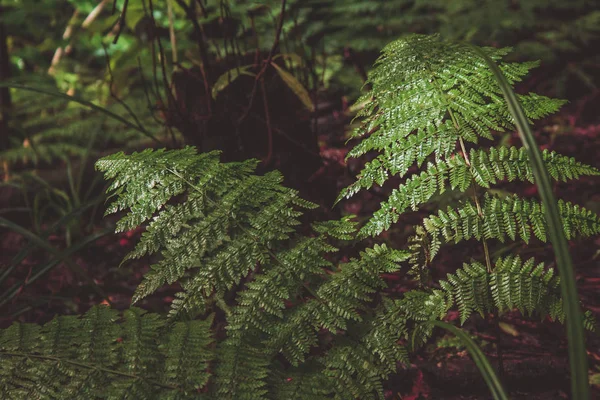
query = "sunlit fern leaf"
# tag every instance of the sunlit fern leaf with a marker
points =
(211, 237)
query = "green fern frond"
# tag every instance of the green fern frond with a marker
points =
(503, 218)
(260, 308)
(486, 168)
(305, 382)
(102, 355)
(242, 370)
(508, 217)
(338, 300)
(513, 284)
(344, 229)
(354, 372)
(292, 324)
(438, 92)
(225, 224)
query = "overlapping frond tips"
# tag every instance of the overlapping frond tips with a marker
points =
(336, 302)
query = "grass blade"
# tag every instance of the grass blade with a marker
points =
(486, 369)
(42, 243)
(43, 269)
(83, 102)
(574, 319)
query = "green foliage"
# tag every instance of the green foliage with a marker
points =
(488, 167)
(104, 355)
(541, 28)
(291, 321)
(46, 128)
(552, 31)
(224, 223)
(513, 284)
(429, 97)
(228, 221)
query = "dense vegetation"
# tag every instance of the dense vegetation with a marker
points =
(278, 242)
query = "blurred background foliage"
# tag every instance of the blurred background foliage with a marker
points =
(151, 61)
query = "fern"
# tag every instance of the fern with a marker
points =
(538, 29)
(291, 322)
(228, 222)
(487, 168)
(513, 284)
(500, 219)
(104, 355)
(213, 223)
(430, 97)
(48, 128)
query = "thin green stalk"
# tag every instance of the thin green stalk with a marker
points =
(41, 242)
(486, 369)
(574, 319)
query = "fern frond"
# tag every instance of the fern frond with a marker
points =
(260, 309)
(102, 355)
(354, 372)
(513, 284)
(426, 95)
(225, 224)
(486, 168)
(337, 301)
(305, 382)
(503, 218)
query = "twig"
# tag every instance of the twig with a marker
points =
(121, 20)
(172, 31)
(67, 35)
(266, 64)
(114, 95)
(201, 46)
(267, 159)
(150, 106)
(162, 57)
(204, 13)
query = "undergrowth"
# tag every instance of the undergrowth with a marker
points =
(262, 311)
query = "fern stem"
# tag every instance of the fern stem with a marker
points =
(465, 155)
(83, 365)
(486, 250)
